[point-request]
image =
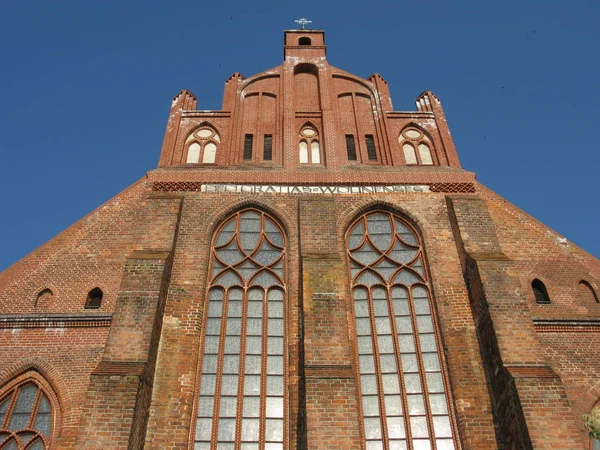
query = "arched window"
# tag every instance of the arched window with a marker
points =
(540, 292)
(202, 146)
(309, 147)
(242, 382)
(304, 41)
(403, 386)
(25, 417)
(416, 146)
(94, 299)
(587, 293)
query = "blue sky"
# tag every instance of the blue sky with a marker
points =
(86, 88)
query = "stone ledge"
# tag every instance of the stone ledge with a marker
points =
(566, 324)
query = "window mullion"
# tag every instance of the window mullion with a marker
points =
(241, 371)
(428, 415)
(36, 405)
(219, 374)
(11, 407)
(399, 368)
(263, 370)
(376, 357)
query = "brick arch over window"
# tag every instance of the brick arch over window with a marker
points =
(29, 413)
(242, 370)
(403, 383)
(202, 144)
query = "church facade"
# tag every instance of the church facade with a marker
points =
(306, 268)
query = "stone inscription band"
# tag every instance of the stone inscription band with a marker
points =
(298, 189)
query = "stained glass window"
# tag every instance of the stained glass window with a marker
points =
(25, 418)
(404, 398)
(242, 380)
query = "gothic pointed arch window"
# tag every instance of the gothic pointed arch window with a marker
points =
(27, 416)
(416, 146)
(309, 147)
(201, 145)
(402, 383)
(242, 369)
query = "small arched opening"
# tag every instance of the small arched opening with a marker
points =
(540, 292)
(304, 41)
(94, 299)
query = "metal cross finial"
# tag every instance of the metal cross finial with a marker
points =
(303, 22)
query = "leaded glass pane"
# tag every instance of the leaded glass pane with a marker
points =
(274, 430)
(275, 407)
(247, 269)
(226, 233)
(437, 403)
(234, 308)
(398, 445)
(356, 235)
(253, 364)
(275, 365)
(441, 426)
(418, 427)
(368, 384)
(407, 343)
(267, 255)
(234, 327)
(403, 325)
(275, 345)
(395, 427)
(215, 308)
(401, 253)
(253, 345)
(254, 327)
(275, 309)
(275, 327)
(381, 308)
(207, 384)
(393, 405)
(232, 344)
(37, 445)
(390, 384)
(361, 308)
(365, 345)
(405, 233)
(231, 364)
(374, 445)
(265, 279)
(406, 277)
(435, 382)
(409, 363)
(431, 362)
(205, 406)
(382, 325)
(229, 385)
(203, 429)
(421, 444)
(230, 255)
(274, 385)
(255, 309)
(366, 254)
(424, 324)
(386, 344)
(427, 343)
(213, 326)
(226, 430)
(415, 405)
(274, 446)
(228, 279)
(210, 364)
(250, 429)
(448, 444)
(372, 428)
(366, 364)
(252, 385)
(370, 405)
(363, 327)
(211, 344)
(421, 306)
(368, 278)
(388, 364)
(380, 230)
(251, 407)
(412, 383)
(228, 407)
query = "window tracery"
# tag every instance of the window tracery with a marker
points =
(242, 383)
(26, 417)
(202, 145)
(402, 382)
(416, 146)
(309, 147)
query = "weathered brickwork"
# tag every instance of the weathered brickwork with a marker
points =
(127, 375)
